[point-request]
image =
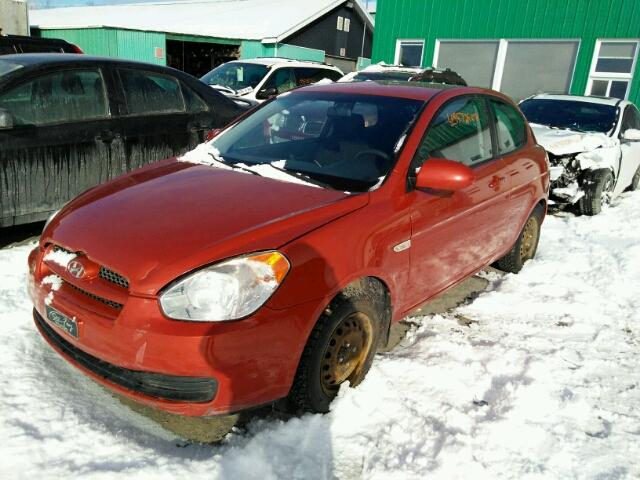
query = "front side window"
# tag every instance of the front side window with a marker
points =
(150, 92)
(282, 80)
(460, 132)
(409, 53)
(570, 114)
(510, 127)
(612, 68)
(630, 119)
(236, 76)
(342, 141)
(61, 97)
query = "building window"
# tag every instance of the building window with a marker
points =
(518, 68)
(340, 23)
(347, 23)
(409, 53)
(612, 68)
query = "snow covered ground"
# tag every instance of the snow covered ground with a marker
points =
(544, 383)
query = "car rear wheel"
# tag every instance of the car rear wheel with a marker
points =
(598, 192)
(340, 348)
(525, 247)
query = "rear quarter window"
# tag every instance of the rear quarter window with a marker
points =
(151, 93)
(510, 127)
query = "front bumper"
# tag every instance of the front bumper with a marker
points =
(213, 368)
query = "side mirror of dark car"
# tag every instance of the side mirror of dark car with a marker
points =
(631, 135)
(267, 93)
(6, 119)
(444, 175)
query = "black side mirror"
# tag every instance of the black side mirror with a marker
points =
(267, 93)
(6, 119)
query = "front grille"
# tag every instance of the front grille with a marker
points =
(104, 273)
(167, 387)
(113, 277)
(111, 303)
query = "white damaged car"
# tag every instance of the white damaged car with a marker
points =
(593, 145)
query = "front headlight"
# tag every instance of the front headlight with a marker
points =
(228, 290)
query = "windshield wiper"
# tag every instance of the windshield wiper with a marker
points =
(301, 176)
(232, 165)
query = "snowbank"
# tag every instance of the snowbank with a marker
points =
(544, 383)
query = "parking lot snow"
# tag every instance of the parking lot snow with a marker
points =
(544, 382)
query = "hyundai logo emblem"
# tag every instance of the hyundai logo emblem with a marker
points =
(75, 268)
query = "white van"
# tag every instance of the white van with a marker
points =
(262, 78)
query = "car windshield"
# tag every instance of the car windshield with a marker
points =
(390, 75)
(570, 114)
(8, 67)
(336, 140)
(236, 76)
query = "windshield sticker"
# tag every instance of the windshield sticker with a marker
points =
(457, 118)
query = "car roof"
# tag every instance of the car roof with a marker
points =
(270, 61)
(33, 59)
(410, 90)
(579, 98)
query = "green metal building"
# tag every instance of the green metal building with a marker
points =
(520, 47)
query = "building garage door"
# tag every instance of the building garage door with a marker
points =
(518, 68)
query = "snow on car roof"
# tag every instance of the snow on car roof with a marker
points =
(243, 19)
(579, 98)
(269, 61)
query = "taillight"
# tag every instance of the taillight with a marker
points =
(76, 49)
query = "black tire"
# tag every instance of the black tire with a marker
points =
(598, 187)
(525, 247)
(634, 182)
(311, 391)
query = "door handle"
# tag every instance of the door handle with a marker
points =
(106, 136)
(496, 181)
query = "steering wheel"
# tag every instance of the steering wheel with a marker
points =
(382, 156)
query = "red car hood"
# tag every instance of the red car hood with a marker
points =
(162, 221)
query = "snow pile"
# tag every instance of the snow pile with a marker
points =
(543, 383)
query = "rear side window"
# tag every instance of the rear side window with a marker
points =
(61, 97)
(193, 101)
(149, 92)
(308, 76)
(510, 127)
(460, 132)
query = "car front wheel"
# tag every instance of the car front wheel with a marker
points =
(340, 348)
(598, 192)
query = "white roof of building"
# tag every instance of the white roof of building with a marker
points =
(234, 19)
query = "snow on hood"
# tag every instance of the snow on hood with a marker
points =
(565, 142)
(207, 154)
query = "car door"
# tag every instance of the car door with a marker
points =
(454, 234)
(629, 149)
(155, 122)
(61, 142)
(521, 168)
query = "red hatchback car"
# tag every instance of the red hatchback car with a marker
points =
(271, 261)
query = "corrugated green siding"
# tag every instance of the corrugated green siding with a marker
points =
(136, 45)
(588, 20)
(255, 49)
(92, 41)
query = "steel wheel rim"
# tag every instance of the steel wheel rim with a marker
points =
(346, 351)
(605, 197)
(529, 236)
